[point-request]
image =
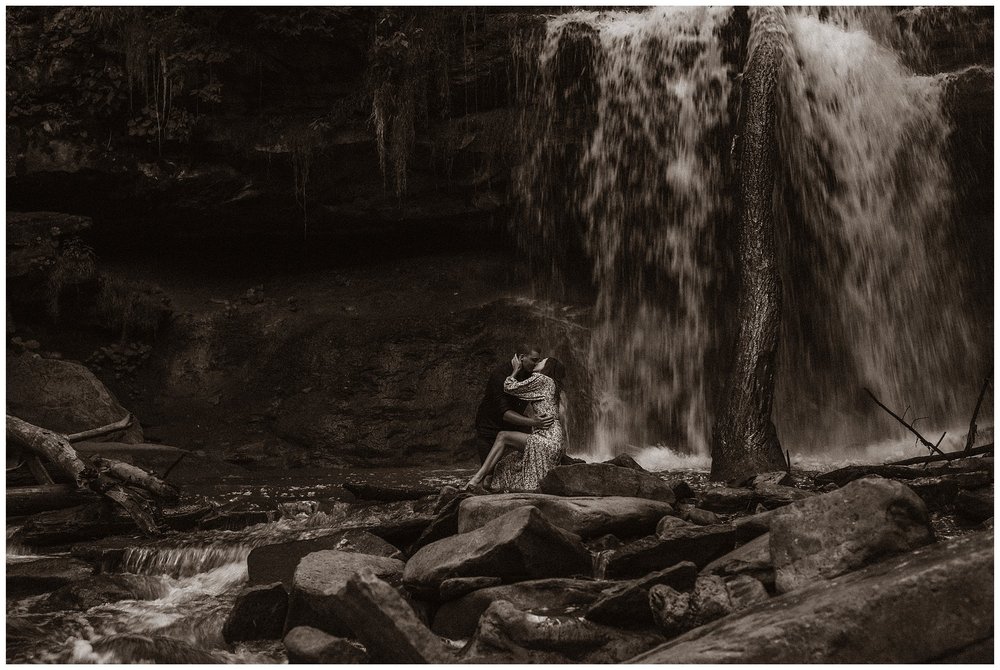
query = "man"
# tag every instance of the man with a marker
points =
(501, 411)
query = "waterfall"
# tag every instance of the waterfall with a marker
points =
(627, 201)
(625, 172)
(873, 296)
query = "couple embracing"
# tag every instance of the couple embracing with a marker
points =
(521, 423)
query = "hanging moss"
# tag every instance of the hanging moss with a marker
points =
(408, 65)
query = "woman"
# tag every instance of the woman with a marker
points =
(535, 454)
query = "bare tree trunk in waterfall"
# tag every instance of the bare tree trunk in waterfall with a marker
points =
(744, 440)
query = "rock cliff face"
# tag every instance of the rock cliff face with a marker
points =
(267, 122)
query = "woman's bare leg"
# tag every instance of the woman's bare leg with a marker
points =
(505, 438)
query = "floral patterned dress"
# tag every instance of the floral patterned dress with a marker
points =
(524, 470)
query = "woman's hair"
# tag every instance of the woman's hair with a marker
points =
(557, 371)
(553, 368)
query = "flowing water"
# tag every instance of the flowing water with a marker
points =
(636, 184)
(185, 584)
(627, 187)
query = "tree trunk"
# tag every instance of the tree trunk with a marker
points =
(744, 441)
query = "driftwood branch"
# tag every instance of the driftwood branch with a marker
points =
(973, 428)
(103, 430)
(908, 426)
(122, 483)
(949, 456)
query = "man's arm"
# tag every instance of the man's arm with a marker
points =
(517, 419)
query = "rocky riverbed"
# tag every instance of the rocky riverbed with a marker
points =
(608, 563)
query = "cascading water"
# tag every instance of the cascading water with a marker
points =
(873, 294)
(626, 169)
(627, 184)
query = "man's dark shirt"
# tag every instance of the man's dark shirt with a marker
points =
(489, 418)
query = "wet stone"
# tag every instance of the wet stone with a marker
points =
(258, 614)
(311, 645)
(725, 499)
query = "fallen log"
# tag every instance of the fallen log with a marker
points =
(25, 500)
(124, 484)
(134, 476)
(51, 446)
(947, 456)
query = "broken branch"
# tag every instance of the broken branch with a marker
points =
(103, 430)
(973, 428)
(909, 427)
(949, 456)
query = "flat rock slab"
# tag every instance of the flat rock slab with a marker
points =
(320, 576)
(830, 534)
(92, 521)
(277, 562)
(517, 546)
(698, 544)
(45, 574)
(915, 608)
(586, 516)
(727, 499)
(602, 479)
(457, 619)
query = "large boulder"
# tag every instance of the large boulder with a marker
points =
(258, 614)
(62, 396)
(586, 516)
(698, 544)
(305, 644)
(504, 627)
(277, 562)
(975, 505)
(384, 622)
(320, 576)
(841, 531)
(920, 607)
(517, 546)
(457, 619)
(602, 479)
